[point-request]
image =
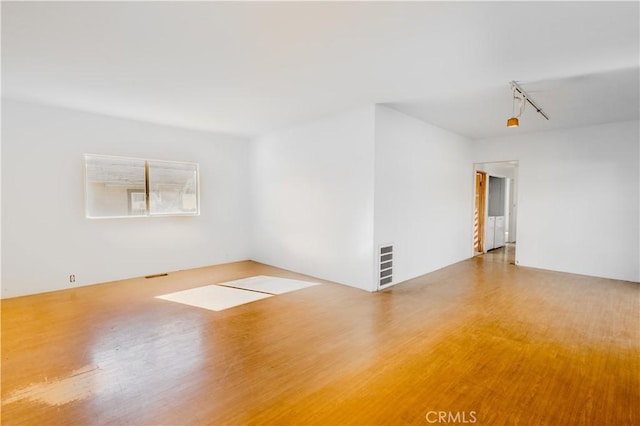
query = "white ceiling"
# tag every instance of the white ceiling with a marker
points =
(247, 68)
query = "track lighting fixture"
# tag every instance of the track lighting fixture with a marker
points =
(522, 97)
(514, 121)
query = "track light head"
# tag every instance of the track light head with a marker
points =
(513, 122)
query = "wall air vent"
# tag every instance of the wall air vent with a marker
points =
(386, 265)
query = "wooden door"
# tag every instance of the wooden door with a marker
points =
(478, 231)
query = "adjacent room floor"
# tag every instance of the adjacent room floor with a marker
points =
(481, 341)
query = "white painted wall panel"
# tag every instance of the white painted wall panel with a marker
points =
(424, 182)
(578, 198)
(45, 235)
(313, 198)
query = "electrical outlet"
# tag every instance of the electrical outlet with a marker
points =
(72, 278)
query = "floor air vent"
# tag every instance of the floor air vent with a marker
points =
(386, 265)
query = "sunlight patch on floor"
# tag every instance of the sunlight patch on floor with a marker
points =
(217, 297)
(271, 285)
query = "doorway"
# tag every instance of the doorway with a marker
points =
(495, 205)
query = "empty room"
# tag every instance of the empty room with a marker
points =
(320, 213)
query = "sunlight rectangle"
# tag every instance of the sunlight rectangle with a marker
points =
(271, 285)
(214, 297)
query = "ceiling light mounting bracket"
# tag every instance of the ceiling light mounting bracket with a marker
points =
(516, 88)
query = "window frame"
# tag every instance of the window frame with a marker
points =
(148, 191)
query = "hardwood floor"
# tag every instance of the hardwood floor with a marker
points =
(481, 341)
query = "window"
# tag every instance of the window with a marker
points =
(133, 187)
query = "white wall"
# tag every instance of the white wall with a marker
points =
(318, 198)
(424, 185)
(45, 235)
(313, 198)
(578, 198)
